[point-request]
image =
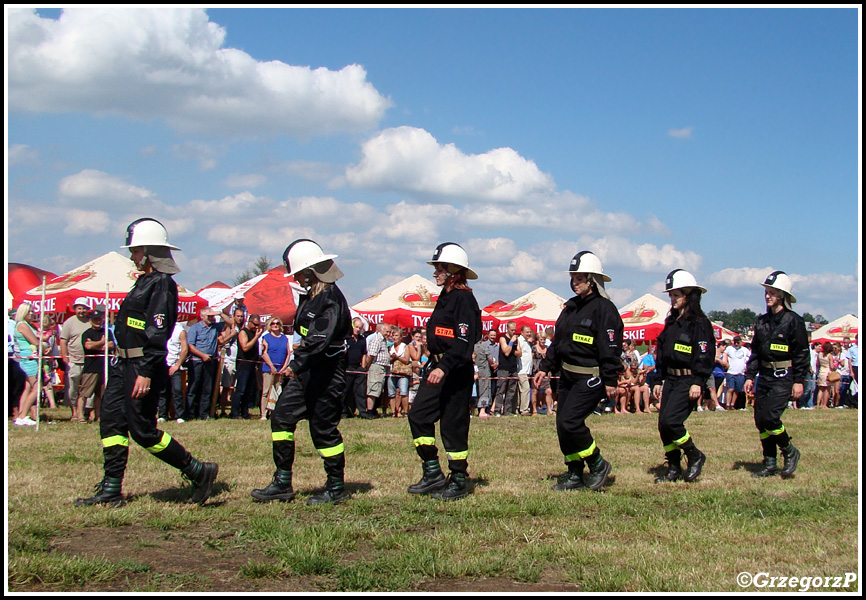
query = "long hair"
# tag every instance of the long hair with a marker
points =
(457, 281)
(316, 285)
(691, 312)
(22, 315)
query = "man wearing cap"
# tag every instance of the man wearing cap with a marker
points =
(92, 382)
(202, 339)
(139, 372)
(72, 352)
(735, 377)
(776, 371)
(238, 304)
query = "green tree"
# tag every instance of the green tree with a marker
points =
(262, 265)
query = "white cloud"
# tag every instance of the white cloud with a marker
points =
(815, 286)
(205, 154)
(491, 251)
(410, 160)
(91, 184)
(681, 134)
(311, 170)
(21, 154)
(85, 222)
(565, 211)
(523, 267)
(250, 180)
(236, 207)
(618, 253)
(169, 62)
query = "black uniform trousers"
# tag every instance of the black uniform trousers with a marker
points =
(676, 408)
(315, 395)
(355, 397)
(772, 395)
(122, 416)
(449, 402)
(576, 400)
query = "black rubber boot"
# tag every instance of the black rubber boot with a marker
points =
(769, 468)
(599, 469)
(695, 460)
(792, 457)
(673, 473)
(573, 479)
(107, 492)
(279, 489)
(334, 492)
(202, 476)
(432, 478)
(455, 489)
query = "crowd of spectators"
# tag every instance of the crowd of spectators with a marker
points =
(228, 364)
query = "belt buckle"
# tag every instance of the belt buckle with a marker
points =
(593, 382)
(780, 373)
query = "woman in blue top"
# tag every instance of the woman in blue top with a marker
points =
(26, 339)
(275, 353)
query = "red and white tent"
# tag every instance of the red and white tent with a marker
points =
(407, 303)
(111, 272)
(644, 318)
(847, 326)
(538, 309)
(270, 294)
(722, 333)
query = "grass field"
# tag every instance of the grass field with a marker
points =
(513, 534)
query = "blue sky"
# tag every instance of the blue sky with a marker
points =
(722, 141)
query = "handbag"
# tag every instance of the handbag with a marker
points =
(833, 377)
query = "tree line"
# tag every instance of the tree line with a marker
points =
(741, 320)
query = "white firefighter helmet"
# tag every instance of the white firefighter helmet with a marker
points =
(679, 279)
(452, 254)
(587, 262)
(307, 254)
(779, 280)
(147, 232)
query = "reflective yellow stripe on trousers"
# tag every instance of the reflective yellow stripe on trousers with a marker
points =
(424, 441)
(115, 440)
(581, 455)
(162, 445)
(457, 455)
(283, 436)
(332, 451)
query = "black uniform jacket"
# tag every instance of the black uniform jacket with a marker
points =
(454, 328)
(146, 320)
(323, 322)
(588, 334)
(689, 345)
(778, 337)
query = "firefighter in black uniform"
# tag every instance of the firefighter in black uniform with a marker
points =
(445, 393)
(317, 376)
(685, 356)
(586, 349)
(779, 361)
(139, 372)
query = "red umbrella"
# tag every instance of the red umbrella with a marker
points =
(90, 280)
(23, 278)
(267, 295)
(643, 319)
(539, 309)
